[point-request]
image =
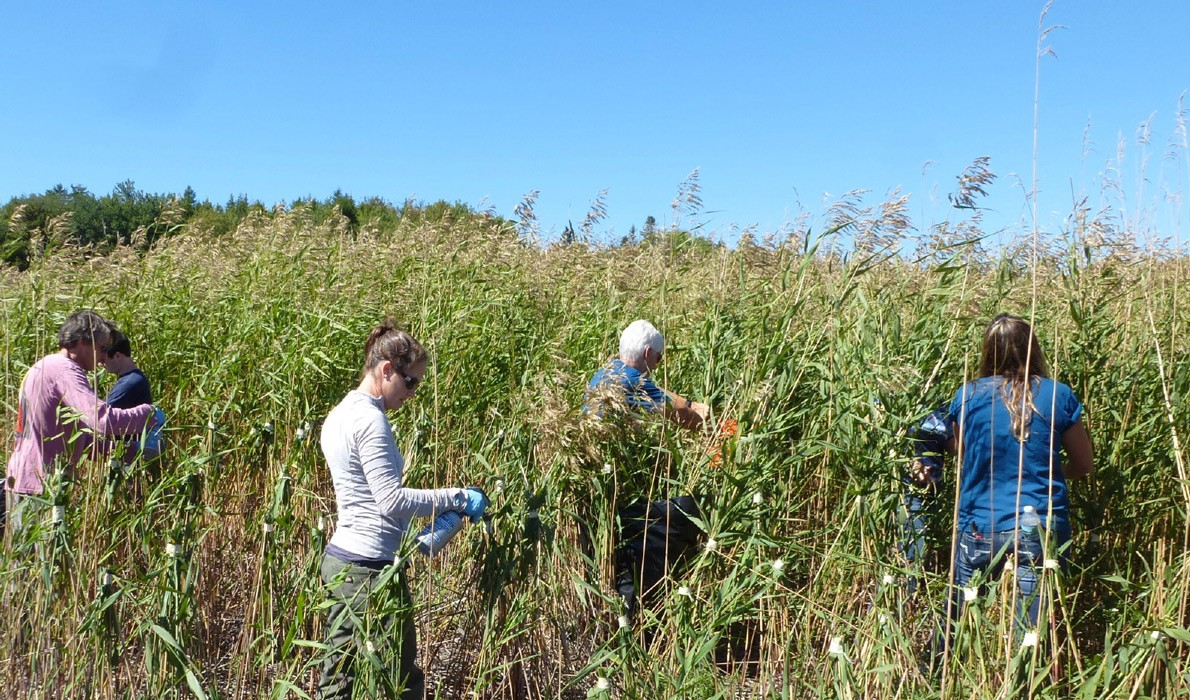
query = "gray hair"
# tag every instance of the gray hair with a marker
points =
(638, 336)
(84, 326)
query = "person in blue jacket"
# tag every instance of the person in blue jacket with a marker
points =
(652, 535)
(1011, 426)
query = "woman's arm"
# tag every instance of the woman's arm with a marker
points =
(1077, 444)
(383, 469)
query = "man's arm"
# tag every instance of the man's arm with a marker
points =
(929, 445)
(687, 413)
(96, 414)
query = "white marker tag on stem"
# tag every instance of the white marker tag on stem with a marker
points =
(59, 514)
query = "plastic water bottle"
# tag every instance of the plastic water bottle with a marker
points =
(434, 537)
(1029, 520)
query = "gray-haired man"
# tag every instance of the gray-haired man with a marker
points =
(651, 536)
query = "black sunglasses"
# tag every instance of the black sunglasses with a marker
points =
(410, 382)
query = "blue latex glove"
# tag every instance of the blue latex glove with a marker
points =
(477, 503)
(153, 439)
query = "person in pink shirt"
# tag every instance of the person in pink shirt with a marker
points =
(59, 416)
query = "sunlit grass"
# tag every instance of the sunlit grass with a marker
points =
(202, 579)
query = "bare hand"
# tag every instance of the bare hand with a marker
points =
(919, 473)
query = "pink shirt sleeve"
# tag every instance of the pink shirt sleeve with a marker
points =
(92, 411)
(56, 402)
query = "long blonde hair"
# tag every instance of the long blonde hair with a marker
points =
(1011, 350)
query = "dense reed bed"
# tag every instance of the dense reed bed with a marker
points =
(200, 580)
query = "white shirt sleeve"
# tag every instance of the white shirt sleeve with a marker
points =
(383, 467)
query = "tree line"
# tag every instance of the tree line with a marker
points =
(34, 224)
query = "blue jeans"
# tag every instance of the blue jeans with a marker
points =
(986, 552)
(924, 526)
(913, 544)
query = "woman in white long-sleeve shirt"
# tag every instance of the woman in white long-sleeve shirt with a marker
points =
(371, 605)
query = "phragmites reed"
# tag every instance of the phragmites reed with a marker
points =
(197, 576)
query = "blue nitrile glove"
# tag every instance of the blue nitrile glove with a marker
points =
(153, 438)
(477, 503)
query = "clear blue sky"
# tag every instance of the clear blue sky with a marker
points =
(782, 105)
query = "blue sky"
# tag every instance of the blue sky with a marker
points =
(783, 106)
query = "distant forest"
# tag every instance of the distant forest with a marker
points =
(74, 216)
(38, 224)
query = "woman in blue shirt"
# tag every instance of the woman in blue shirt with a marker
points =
(1010, 426)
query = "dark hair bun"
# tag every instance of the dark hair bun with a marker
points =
(389, 343)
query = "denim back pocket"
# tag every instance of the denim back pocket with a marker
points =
(975, 550)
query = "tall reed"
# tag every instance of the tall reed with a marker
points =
(197, 577)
